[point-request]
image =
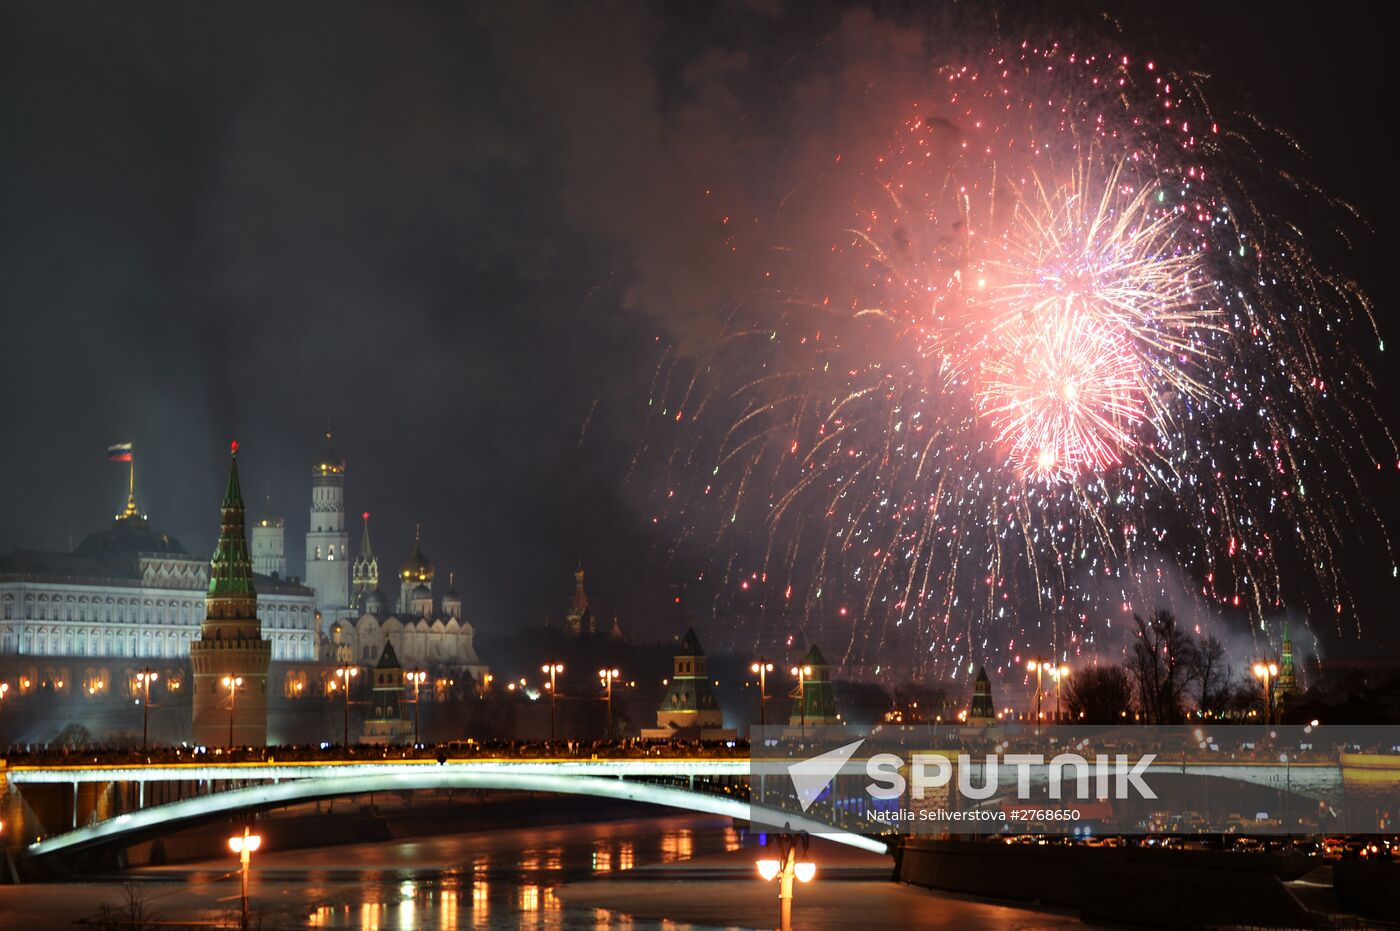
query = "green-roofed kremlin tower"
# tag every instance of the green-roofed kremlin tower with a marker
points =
(689, 709)
(982, 711)
(231, 647)
(812, 700)
(388, 721)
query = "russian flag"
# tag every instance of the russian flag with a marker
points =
(120, 452)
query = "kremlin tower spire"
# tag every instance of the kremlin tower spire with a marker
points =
(231, 657)
(1287, 674)
(364, 577)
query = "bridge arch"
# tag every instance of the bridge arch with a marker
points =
(172, 815)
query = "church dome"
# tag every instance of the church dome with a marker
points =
(420, 592)
(376, 603)
(268, 516)
(417, 567)
(328, 461)
(128, 537)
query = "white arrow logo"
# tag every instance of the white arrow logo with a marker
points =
(811, 777)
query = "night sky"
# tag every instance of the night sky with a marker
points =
(459, 235)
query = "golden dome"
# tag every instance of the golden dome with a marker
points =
(417, 567)
(329, 462)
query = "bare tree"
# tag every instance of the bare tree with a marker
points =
(1211, 675)
(1099, 695)
(1160, 666)
(130, 915)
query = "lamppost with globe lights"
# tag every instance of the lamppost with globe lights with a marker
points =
(802, 672)
(345, 673)
(1040, 667)
(1266, 672)
(144, 678)
(232, 683)
(417, 677)
(1058, 674)
(244, 845)
(785, 869)
(552, 670)
(762, 668)
(608, 676)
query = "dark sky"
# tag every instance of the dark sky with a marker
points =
(455, 233)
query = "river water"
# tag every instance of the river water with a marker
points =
(488, 880)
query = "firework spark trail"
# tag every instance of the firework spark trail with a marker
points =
(1062, 353)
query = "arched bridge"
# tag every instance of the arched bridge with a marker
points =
(702, 785)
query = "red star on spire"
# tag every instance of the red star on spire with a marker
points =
(233, 448)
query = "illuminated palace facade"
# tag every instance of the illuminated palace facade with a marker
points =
(125, 599)
(129, 598)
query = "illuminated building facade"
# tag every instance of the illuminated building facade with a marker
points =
(128, 593)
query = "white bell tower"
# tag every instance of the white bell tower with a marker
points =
(328, 542)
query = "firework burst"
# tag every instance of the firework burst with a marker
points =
(1060, 365)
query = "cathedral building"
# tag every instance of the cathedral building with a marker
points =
(230, 659)
(424, 630)
(579, 618)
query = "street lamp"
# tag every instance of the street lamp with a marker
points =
(145, 677)
(1038, 667)
(232, 683)
(785, 869)
(552, 669)
(417, 677)
(608, 675)
(762, 668)
(345, 674)
(802, 672)
(4, 689)
(244, 845)
(1266, 672)
(1059, 674)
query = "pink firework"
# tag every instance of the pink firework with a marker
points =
(1064, 394)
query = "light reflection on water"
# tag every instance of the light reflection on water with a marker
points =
(490, 880)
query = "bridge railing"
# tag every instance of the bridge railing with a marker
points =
(465, 749)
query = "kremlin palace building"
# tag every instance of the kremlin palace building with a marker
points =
(131, 598)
